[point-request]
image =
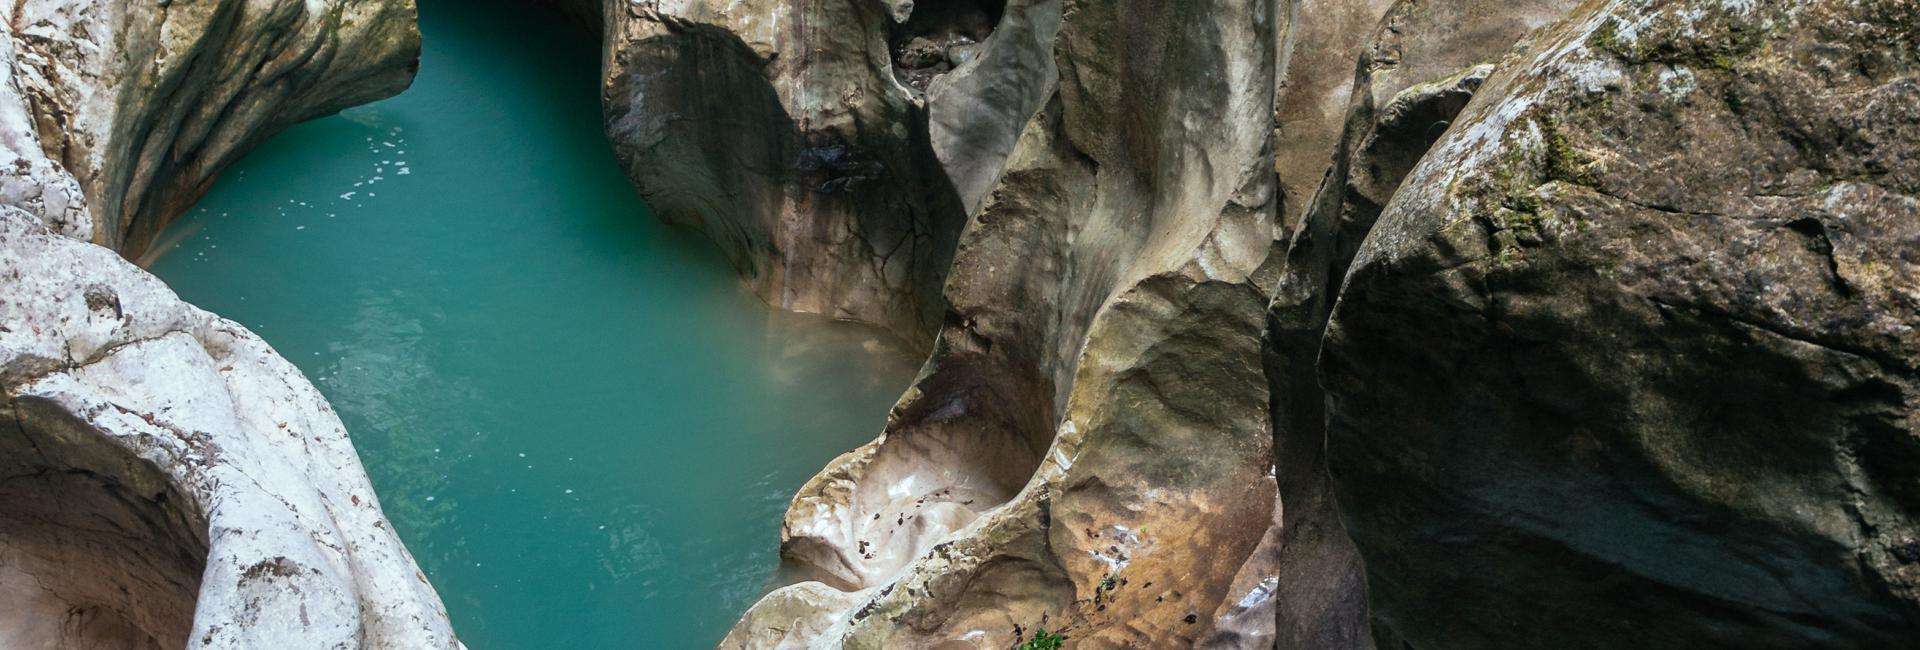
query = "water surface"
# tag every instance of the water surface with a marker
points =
(581, 426)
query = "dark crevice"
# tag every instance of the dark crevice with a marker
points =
(93, 534)
(939, 37)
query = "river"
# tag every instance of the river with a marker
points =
(581, 425)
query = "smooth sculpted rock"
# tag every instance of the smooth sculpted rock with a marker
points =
(143, 103)
(170, 480)
(1320, 45)
(778, 128)
(1631, 356)
(1088, 448)
(832, 149)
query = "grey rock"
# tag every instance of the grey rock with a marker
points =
(1416, 71)
(143, 103)
(779, 130)
(1630, 358)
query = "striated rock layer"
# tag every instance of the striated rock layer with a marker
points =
(1631, 357)
(168, 479)
(142, 103)
(779, 129)
(1087, 449)
(1324, 324)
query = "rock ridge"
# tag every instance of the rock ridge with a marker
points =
(169, 480)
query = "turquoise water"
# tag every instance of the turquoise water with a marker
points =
(580, 424)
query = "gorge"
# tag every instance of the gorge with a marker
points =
(1245, 323)
(531, 365)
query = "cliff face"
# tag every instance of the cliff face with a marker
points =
(780, 130)
(1087, 448)
(1410, 77)
(143, 103)
(1580, 314)
(173, 481)
(1632, 353)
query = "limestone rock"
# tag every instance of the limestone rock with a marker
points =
(1416, 71)
(1320, 49)
(832, 149)
(778, 128)
(144, 102)
(1631, 356)
(1088, 448)
(174, 482)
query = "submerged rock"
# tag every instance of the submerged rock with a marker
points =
(171, 480)
(1631, 357)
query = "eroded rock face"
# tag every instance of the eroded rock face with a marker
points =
(1631, 355)
(144, 102)
(833, 149)
(1088, 447)
(1320, 49)
(1416, 71)
(170, 480)
(779, 129)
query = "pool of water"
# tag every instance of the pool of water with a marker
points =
(580, 424)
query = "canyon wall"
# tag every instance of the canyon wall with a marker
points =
(780, 130)
(1087, 449)
(1313, 324)
(1408, 80)
(1632, 354)
(171, 481)
(144, 103)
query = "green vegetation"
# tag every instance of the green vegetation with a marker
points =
(1043, 640)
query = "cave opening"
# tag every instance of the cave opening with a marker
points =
(939, 37)
(97, 548)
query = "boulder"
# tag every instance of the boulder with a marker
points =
(1631, 356)
(171, 481)
(1404, 86)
